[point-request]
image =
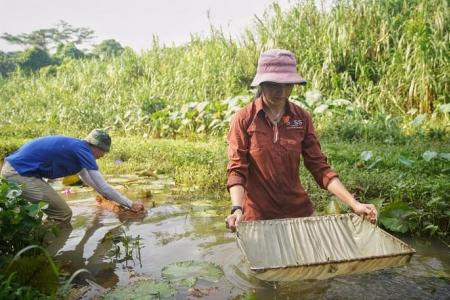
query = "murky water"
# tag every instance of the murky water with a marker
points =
(182, 230)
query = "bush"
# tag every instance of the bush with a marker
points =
(20, 220)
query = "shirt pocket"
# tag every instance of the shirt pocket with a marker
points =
(292, 141)
(258, 139)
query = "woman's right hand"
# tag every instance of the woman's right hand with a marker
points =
(232, 221)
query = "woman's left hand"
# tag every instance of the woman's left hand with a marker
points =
(368, 210)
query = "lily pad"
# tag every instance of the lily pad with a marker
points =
(144, 289)
(186, 273)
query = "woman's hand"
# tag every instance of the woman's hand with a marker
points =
(368, 210)
(232, 221)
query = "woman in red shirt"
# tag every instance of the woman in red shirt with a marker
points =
(266, 140)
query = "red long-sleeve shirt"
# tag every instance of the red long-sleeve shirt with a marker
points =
(265, 159)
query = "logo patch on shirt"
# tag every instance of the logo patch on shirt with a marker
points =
(294, 124)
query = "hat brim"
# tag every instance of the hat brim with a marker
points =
(277, 78)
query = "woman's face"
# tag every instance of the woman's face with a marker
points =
(275, 93)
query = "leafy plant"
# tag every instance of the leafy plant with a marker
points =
(20, 220)
(399, 217)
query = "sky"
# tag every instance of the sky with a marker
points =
(133, 23)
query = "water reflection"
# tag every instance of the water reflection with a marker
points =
(180, 230)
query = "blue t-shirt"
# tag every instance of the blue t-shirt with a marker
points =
(53, 157)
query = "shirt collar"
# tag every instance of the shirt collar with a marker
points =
(260, 108)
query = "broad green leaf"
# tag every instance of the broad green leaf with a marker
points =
(186, 273)
(445, 155)
(312, 97)
(366, 155)
(418, 120)
(405, 161)
(445, 108)
(320, 109)
(429, 155)
(341, 102)
(398, 216)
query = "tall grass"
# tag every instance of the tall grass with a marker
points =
(387, 57)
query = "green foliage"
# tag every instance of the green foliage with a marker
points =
(11, 290)
(398, 217)
(20, 220)
(34, 59)
(108, 48)
(68, 51)
(36, 272)
(62, 33)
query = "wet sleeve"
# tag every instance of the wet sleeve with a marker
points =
(315, 161)
(97, 182)
(238, 143)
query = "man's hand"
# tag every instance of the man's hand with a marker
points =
(137, 206)
(367, 210)
(232, 221)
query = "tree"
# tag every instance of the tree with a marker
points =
(7, 62)
(34, 58)
(68, 50)
(108, 48)
(46, 39)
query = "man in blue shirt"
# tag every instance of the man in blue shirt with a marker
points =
(59, 156)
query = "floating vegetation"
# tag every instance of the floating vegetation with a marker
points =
(186, 273)
(143, 289)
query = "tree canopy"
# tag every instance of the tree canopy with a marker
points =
(49, 38)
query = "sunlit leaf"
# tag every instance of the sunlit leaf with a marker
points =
(418, 120)
(341, 102)
(366, 155)
(429, 155)
(405, 161)
(312, 97)
(445, 155)
(445, 108)
(320, 109)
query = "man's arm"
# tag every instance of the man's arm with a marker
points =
(94, 179)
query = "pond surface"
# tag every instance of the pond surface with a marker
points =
(119, 250)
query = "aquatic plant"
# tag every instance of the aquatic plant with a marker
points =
(142, 289)
(186, 273)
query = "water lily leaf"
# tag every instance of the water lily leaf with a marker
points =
(418, 120)
(405, 161)
(398, 217)
(186, 273)
(445, 155)
(429, 155)
(143, 289)
(366, 155)
(320, 109)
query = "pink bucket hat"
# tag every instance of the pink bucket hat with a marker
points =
(277, 65)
